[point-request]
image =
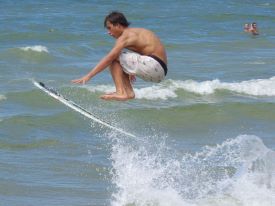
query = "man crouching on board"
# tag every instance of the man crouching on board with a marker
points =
(147, 58)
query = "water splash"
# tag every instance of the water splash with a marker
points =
(240, 171)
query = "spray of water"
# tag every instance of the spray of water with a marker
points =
(147, 171)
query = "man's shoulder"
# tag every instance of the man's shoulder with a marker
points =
(138, 33)
(131, 33)
(137, 30)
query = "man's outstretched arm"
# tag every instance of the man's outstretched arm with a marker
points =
(104, 62)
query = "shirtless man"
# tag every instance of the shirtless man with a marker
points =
(254, 29)
(146, 58)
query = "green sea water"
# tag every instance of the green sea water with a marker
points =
(205, 135)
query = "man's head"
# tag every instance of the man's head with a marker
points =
(115, 22)
(116, 18)
(254, 25)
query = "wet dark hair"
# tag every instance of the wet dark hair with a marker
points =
(254, 25)
(116, 18)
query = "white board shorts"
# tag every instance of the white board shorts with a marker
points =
(148, 68)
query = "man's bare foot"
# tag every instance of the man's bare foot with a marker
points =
(118, 97)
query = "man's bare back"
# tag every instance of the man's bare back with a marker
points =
(145, 42)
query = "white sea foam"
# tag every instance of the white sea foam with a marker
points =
(36, 48)
(169, 88)
(151, 93)
(240, 171)
(256, 87)
(155, 92)
(2, 97)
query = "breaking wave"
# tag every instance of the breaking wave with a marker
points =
(2, 97)
(169, 88)
(36, 48)
(239, 171)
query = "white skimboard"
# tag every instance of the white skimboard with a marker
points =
(53, 93)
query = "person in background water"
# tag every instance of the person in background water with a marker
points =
(254, 29)
(146, 59)
(251, 28)
(246, 27)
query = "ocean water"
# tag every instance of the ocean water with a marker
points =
(205, 135)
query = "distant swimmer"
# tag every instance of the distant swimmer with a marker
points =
(246, 27)
(146, 59)
(254, 29)
(251, 28)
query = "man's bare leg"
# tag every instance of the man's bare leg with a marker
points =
(124, 90)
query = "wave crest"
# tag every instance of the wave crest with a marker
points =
(170, 88)
(36, 48)
(256, 87)
(2, 97)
